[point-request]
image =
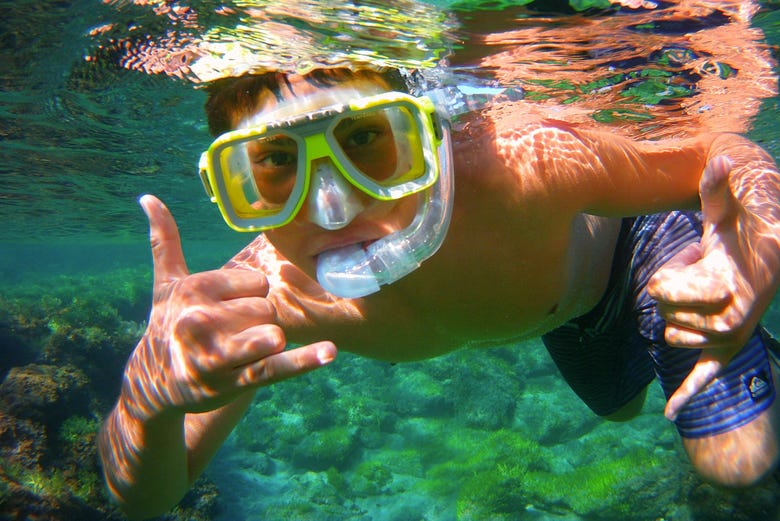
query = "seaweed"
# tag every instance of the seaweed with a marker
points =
(65, 341)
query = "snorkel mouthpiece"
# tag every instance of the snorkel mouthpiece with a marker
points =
(346, 272)
(352, 271)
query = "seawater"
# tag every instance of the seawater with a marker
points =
(489, 435)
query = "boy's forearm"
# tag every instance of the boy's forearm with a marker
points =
(144, 461)
(205, 432)
(149, 464)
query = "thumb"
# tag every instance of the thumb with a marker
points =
(706, 369)
(167, 254)
(717, 202)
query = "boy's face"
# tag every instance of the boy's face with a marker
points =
(369, 219)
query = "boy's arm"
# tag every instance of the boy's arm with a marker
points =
(212, 339)
(150, 463)
(711, 294)
(714, 294)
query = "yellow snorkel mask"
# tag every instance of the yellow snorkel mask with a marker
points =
(384, 145)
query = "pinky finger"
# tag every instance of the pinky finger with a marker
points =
(705, 370)
(287, 364)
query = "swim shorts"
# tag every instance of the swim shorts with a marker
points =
(610, 354)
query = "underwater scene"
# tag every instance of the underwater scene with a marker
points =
(101, 102)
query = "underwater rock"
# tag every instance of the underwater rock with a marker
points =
(713, 503)
(551, 414)
(491, 410)
(16, 341)
(485, 392)
(63, 344)
(417, 393)
(201, 503)
(23, 442)
(369, 417)
(48, 472)
(321, 450)
(30, 503)
(371, 478)
(43, 393)
(35, 486)
(478, 389)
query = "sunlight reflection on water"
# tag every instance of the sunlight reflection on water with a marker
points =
(82, 140)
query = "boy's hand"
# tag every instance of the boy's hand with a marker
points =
(210, 335)
(712, 294)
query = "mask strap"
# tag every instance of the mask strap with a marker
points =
(456, 100)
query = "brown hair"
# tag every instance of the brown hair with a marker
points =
(230, 97)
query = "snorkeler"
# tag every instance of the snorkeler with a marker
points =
(389, 234)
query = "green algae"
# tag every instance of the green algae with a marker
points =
(371, 478)
(331, 447)
(66, 339)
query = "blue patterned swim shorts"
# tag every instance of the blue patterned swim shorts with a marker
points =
(610, 354)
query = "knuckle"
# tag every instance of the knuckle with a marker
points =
(731, 323)
(262, 373)
(156, 243)
(193, 287)
(194, 321)
(275, 337)
(179, 292)
(267, 310)
(262, 281)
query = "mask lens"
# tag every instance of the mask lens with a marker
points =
(261, 173)
(383, 144)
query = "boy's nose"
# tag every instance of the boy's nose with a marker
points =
(332, 202)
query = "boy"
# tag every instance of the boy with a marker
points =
(351, 184)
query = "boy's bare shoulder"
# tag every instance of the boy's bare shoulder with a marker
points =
(536, 159)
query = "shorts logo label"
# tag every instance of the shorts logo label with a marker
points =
(758, 388)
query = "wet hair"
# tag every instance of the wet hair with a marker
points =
(231, 97)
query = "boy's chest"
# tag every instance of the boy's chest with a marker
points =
(493, 291)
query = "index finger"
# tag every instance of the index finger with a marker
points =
(232, 283)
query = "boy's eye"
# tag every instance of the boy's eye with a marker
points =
(275, 159)
(366, 131)
(361, 138)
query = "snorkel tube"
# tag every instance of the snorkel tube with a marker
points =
(353, 271)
